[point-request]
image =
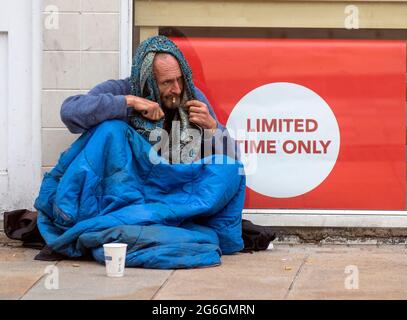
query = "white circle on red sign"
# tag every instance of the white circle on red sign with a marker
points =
(288, 136)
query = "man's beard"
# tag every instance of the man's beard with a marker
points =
(172, 101)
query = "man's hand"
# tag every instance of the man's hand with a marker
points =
(199, 114)
(149, 109)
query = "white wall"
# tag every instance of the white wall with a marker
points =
(82, 52)
(20, 53)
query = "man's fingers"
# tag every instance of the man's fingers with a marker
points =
(147, 102)
(156, 115)
(195, 103)
(150, 110)
(141, 104)
(198, 110)
(153, 104)
(197, 120)
(159, 114)
(200, 116)
(149, 114)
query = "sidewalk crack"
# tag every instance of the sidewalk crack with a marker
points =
(296, 276)
(163, 285)
(36, 282)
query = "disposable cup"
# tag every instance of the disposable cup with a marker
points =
(115, 258)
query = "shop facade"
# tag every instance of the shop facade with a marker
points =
(337, 55)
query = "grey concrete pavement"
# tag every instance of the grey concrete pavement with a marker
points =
(301, 271)
(17, 272)
(261, 275)
(87, 280)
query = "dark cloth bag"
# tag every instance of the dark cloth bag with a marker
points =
(256, 237)
(22, 225)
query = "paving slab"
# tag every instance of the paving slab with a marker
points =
(365, 272)
(87, 280)
(261, 275)
(18, 271)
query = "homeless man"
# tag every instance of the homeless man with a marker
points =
(113, 185)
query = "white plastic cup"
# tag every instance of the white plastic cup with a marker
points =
(115, 258)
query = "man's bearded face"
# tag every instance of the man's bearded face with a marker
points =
(169, 79)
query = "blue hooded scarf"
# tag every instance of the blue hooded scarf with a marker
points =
(144, 84)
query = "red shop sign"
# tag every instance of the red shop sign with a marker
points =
(321, 123)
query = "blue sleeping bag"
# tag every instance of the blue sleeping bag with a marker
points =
(106, 189)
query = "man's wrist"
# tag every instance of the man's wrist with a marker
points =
(214, 126)
(212, 129)
(128, 100)
(132, 102)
